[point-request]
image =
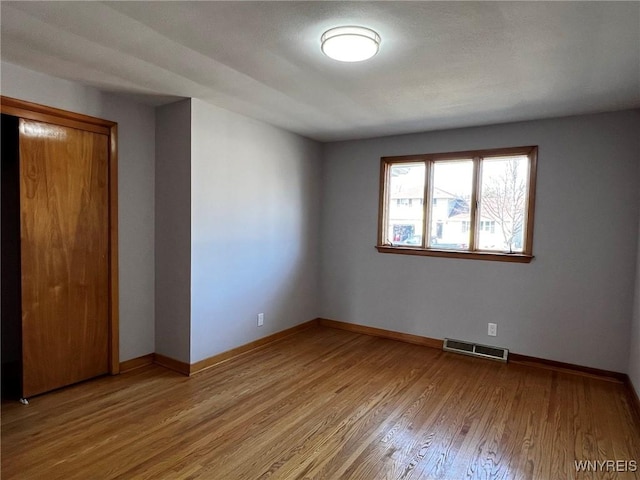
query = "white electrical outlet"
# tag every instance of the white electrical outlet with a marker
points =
(260, 319)
(492, 330)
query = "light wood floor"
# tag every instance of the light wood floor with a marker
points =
(327, 404)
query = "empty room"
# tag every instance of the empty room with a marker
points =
(320, 240)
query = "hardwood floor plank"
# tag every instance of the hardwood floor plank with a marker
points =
(325, 404)
(482, 449)
(555, 432)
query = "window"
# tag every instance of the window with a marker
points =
(476, 204)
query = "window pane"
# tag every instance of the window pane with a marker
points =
(406, 199)
(450, 214)
(503, 203)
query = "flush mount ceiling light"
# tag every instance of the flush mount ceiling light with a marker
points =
(350, 44)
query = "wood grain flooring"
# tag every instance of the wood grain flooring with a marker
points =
(326, 404)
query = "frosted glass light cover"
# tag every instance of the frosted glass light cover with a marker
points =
(350, 44)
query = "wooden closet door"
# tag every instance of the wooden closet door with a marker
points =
(64, 212)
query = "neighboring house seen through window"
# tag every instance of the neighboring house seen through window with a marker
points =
(477, 204)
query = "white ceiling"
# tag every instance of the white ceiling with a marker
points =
(440, 65)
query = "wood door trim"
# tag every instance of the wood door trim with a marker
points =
(42, 113)
(114, 301)
(56, 116)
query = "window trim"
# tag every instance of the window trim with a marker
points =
(383, 203)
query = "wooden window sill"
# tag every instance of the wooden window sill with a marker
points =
(429, 252)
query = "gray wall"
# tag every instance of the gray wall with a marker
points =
(255, 200)
(573, 303)
(254, 240)
(173, 230)
(634, 353)
(136, 157)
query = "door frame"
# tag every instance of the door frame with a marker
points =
(56, 116)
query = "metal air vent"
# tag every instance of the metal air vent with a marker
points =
(475, 350)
